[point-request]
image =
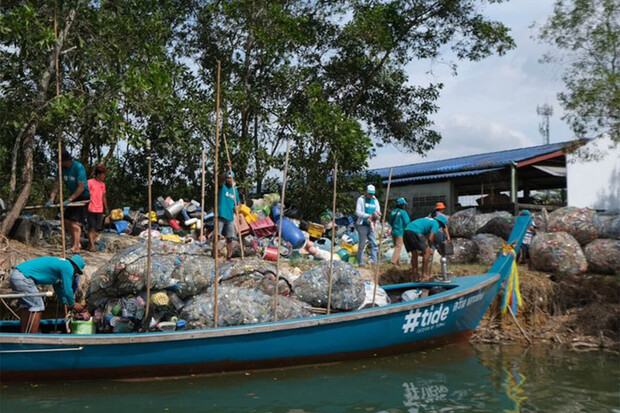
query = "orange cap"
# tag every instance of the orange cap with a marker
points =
(440, 205)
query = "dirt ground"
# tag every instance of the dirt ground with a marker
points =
(582, 312)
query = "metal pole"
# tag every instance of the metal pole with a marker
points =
(202, 198)
(148, 238)
(387, 195)
(275, 300)
(216, 224)
(513, 188)
(331, 260)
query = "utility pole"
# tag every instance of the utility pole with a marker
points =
(546, 111)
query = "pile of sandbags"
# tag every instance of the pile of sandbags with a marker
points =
(557, 252)
(603, 256)
(489, 247)
(465, 251)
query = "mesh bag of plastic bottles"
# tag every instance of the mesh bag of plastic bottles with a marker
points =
(500, 225)
(603, 256)
(489, 247)
(463, 223)
(581, 223)
(348, 290)
(239, 306)
(192, 274)
(608, 226)
(557, 252)
(465, 251)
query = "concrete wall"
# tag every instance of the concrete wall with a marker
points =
(421, 198)
(594, 183)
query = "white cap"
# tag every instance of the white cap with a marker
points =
(370, 189)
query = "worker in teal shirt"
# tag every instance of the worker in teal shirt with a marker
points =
(62, 274)
(74, 176)
(418, 236)
(398, 220)
(228, 197)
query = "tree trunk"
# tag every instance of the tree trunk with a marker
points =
(14, 156)
(31, 129)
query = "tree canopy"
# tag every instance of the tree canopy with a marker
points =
(328, 76)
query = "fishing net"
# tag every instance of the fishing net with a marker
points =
(239, 306)
(603, 256)
(581, 223)
(347, 286)
(608, 226)
(465, 251)
(557, 252)
(498, 225)
(489, 246)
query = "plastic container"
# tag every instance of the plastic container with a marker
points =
(242, 225)
(167, 325)
(344, 254)
(116, 214)
(263, 227)
(271, 254)
(83, 327)
(245, 210)
(174, 224)
(316, 230)
(120, 226)
(290, 233)
(174, 209)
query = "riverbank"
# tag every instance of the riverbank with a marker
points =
(581, 312)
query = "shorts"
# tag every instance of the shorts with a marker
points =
(414, 242)
(227, 228)
(24, 285)
(76, 213)
(95, 220)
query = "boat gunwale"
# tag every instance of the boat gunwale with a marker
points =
(274, 326)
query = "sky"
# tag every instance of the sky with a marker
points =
(490, 105)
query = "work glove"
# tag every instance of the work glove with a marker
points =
(49, 204)
(66, 203)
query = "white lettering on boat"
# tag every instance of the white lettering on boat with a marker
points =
(426, 320)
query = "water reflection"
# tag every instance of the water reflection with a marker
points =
(455, 378)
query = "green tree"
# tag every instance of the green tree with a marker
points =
(586, 34)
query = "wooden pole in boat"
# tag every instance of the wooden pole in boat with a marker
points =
(60, 189)
(387, 196)
(202, 197)
(148, 236)
(331, 259)
(230, 170)
(284, 177)
(216, 223)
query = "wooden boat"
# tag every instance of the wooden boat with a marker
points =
(449, 316)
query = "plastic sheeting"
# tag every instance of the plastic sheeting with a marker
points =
(489, 246)
(603, 256)
(581, 223)
(347, 286)
(557, 252)
(239, 306)
(465, 251)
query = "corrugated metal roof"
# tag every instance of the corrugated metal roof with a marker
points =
(477, 162)
(442, 176)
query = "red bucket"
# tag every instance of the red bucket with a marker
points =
(271, 254)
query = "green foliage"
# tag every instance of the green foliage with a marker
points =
(587, 36)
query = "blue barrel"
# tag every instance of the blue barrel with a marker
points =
(290, 232)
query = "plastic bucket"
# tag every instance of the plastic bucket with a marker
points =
(83, 327)
(175, 209)
(271, 254)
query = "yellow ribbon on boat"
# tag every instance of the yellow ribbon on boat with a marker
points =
(512, 293)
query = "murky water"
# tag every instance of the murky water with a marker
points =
(459, 378)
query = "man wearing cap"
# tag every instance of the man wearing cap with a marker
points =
(367, 209)
(398, 220)
(419, 235)
(440, 209)
(62, 274)
(98, 204)
(228, 197)
(74, 176)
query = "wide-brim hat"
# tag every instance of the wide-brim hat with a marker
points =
(442, 220)
(79, 263)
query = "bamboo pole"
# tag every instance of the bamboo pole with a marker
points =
(275, 300)
(331, 259)
(387, 195)
(60, 189)
(216, 228)
(148, 238)
(234, 189)
(202, 198)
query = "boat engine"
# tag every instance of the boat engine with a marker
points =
(445, 249)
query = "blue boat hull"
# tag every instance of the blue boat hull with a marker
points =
(450, 316)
